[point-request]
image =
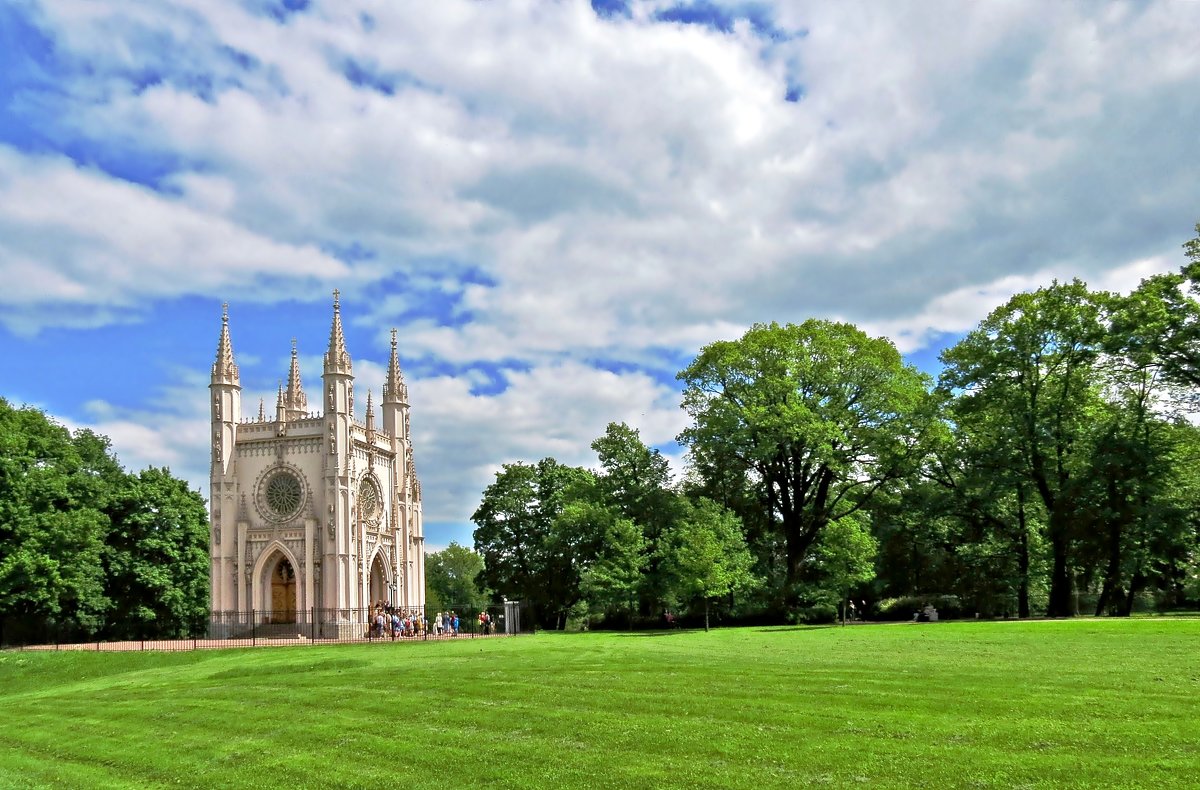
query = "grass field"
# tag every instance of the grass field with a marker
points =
(1093, 703)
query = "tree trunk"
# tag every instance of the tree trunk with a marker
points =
(1022, 556)
(706, 615)
(1135, 586)
(1060, 575)
(1112, 574)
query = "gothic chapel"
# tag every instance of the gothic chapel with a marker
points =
(313, 512)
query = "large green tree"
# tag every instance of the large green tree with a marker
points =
(156, 557)
(820, 414)
(705, 556)
(845, 558)
(452, 579)
(85, 545)
(52, 522)
(1029, 370)
(1161, 320)
(616, 568)
(635, 481)
(526, 552)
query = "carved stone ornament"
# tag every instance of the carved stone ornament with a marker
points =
(369, 502)
(217, 535)
(280, 493)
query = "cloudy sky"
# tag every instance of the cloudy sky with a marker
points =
(555, 203)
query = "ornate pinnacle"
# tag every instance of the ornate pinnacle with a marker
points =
(296, 401)
(337, 360)
(225, 370)
(394, 388)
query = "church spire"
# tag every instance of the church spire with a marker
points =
(280, 406)
(262, 414)
(337, 359)
(294, 399)
(225, 370)
(394, 388)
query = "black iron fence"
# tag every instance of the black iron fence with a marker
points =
(258, 627)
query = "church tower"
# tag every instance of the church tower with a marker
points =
(315, 515)
(226, 412)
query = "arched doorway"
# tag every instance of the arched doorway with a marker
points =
(283, 592)
(379, 585)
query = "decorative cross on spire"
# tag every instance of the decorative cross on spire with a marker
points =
(335, 298)
(225, 312)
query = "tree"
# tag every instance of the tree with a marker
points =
(1162, 321)
(845, 557)
(156, 557)
(1031, 363)
(52, 529)
(85, 545)
(635, 481)
(706, 557)
(981, 485)
(616, 574)
(525, 557)
(634, 478)
(452, 578)
(822, 415)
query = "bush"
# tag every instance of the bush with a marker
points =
(815, 614)
(949, 607)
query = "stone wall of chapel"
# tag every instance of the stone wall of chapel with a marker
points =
(325, 537)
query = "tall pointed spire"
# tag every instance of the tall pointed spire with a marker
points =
(262, 414)
(295, 400)
(225, 370)
(280, 407)
(370, 413)
(394, 388)
(337, 359)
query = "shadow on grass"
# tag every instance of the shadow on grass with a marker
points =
(678, 631)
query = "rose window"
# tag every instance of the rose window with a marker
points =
(284, 494)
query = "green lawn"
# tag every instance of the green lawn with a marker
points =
(1043, 704)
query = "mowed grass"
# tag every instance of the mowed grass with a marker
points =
(1092, 703)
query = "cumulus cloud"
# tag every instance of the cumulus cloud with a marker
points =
(538, 195)
(629, 175)
(80, 248)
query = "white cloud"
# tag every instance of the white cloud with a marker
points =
(74, 243)
(587, 189)
(461, 439)
(621, 179)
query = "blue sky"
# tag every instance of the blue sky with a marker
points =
(555, 203)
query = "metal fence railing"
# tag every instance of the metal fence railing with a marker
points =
(259, 627)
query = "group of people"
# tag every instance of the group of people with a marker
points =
(389, 621)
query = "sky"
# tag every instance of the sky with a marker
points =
(556, 204)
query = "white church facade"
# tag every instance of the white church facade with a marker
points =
(313, 513)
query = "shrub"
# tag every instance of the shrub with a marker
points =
(948, 607)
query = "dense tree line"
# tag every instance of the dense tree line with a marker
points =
(1052, 468)
(89, 549)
